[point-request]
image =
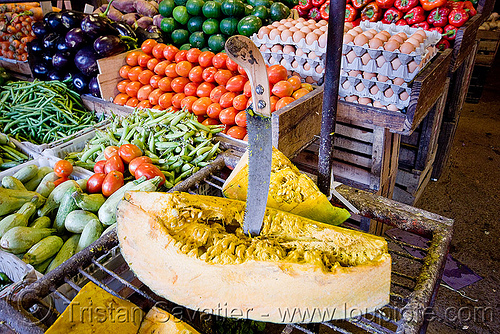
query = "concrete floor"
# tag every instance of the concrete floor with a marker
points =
(469, 192)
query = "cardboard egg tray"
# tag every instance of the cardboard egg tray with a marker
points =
(289, 58)
(381, 61)
(349, 86)
(320, 51)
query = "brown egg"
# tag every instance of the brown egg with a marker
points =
(311, 38)
(301, 19)
(404, 96)
(288, 24)
(421, 33)
(346, 84)
(398, 81)
(388, 92)
(322, 40)
(381, 37)
(277, 48)
(306, 66)
(378, 104)
(299, 25)
(282, 27)
(380, 61)
(374, 89)
(412, 65)
(276, 24)
(323, 28)
(298, 36)
(364, 100)
(264, 31)
(395, 63)
(263, 48)
(274, 33)
(403, 35)
(396, 38)
(359, 87)
(293, 29)
(348, 39)
(322, 23)
(386, 33)
(373, 31)
(299, 52)
(368, 34)
(352, 98)
(288, 49)
(391, 45)
(318, 31)
(413, 41)
(310, 80)
(358, 29)
(407, 48)
(311, 21)
(319, 69)
(351, 56)
(272, 61)
(360, 40)
(368, 75)
(295, 64)
(417, 37)
(382, 78)
(283, 21)
(305, 30)
(283, 62)
(392, 107)
(365, 58)
(375, 43)
(354, 73)
(347, 25)
(352, 32)
(312, 55)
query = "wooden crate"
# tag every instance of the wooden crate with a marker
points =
(476, 85)
(15, 66)
(485, 7)
(465, 42)
(445, 142)
(410, 185)
(487, 47)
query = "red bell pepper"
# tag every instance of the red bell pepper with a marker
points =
(405, 5)
(350, 13)
(431, 4)
(324, 10)
(458, 17)
(391, 15)
(314, 14)
(318, 3)
(305, 4)
(438, 17)
(402, 22)
(302, 12)
(449, 32)
(454, 5)
(443, 44)
(347, 1)
(371, 12)
(415, 15)
(469, 8)
(356, 22)
(358, 4)
(423, 25)
(438, 29)
(385, 3)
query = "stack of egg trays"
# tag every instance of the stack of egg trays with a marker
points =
(422, 55)
(353, 81)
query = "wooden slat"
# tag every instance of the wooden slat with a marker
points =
(12, 65)
(445, 142)
(488, 34)
(414, 188)
(465, 41)
(104, 107)
(109, 75)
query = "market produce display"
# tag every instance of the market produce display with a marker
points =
(207, 24)
(200, 250)
(10, 155)
(211, 86)
(42, 111)
(493, 22)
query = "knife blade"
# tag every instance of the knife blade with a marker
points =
(243, 51)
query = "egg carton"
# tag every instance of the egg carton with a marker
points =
(320, 51)
(376, 90)
(374, 78)
(303, 73)
(371, 103)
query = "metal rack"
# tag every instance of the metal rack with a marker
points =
(414, 280)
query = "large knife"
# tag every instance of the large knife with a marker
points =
(243, 51)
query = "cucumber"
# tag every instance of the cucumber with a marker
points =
(35, 181)
(91, 232)
(41, 267)
(107, 212)
(77, 219)
(82, 183)
(11, 200)
(21, 238)
(11, 182)
(43, 250)
(47, 184)
(92, 202)
(67, 205)
(56, 196)
(20, 218)
(41, 222)
(26, 173)
(67, 250)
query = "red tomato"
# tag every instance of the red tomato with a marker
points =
(112, 182)
(195, 75)
(63, 168)
(158, 107)
(99, 166)
(131, 58)
(149, 171)
(132, 88)
(152, 64)
(241, 70)
(155, 79)
(179, 83)
(143, 92)
(128, 152)
(219, 60)
(192, 55)
(154, 96)
(187, 102)
(295, 81)
(177, 99)
(133, 74)
(122, 85)
(247, 89)
(182, 68)
(205, 58)
(94, 183)
(241, 119)
(142, 60)
(222, 76)
(210, 121)
(273, 99)
(227, 116)
(190, 88)
(204, 89)
(145, 76)
(161, 66)
(165, 100)
(132, 102)
(132, 166)
(144, 105)
(170, 70)
(208, 74)
(200, 106)
(236, 83)
(169, 52)
(109, 151)
(216, 93)
(240, 102)
(158, 50)
(165, 84)
(237, 132)
(284, 101)
(282, 89)
(226, 100)
(60, 180)
(114, 162)
(124, 71)
(276, 73)
(121, 99)
(180, 56)
(214, 110)
(148, 45)
(231, 65)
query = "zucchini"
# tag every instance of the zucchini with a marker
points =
(26, 173)
(82, 183)
(12, 183)
(41, 222)
(88, 202)
(107, 212)
(56, 196)
(109, 228)
(46, 186)
(67, 205)
(91, 232)
(21, 238)
(43, 250)
(77, 219)
(35, 181)
(41, 267)
(67, 250)
(11, 200)
(20, 218)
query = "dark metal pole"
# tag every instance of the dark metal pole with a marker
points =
(330, 94)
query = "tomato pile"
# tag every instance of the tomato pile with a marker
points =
(211, 86)
(63, 170)
(109, 174)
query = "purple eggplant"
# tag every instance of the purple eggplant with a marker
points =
(47, 58)
(36, 46)
(109, 45)
(86, 60)
(54, 22)
(94, 25)
(49, 41)
(123, 29)
(60, 60)
(80, 83)
(40, 71)
(71, 19)
(39, 29)
(54, 75)
(75, 38)
(61, 45)
(94, 87)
